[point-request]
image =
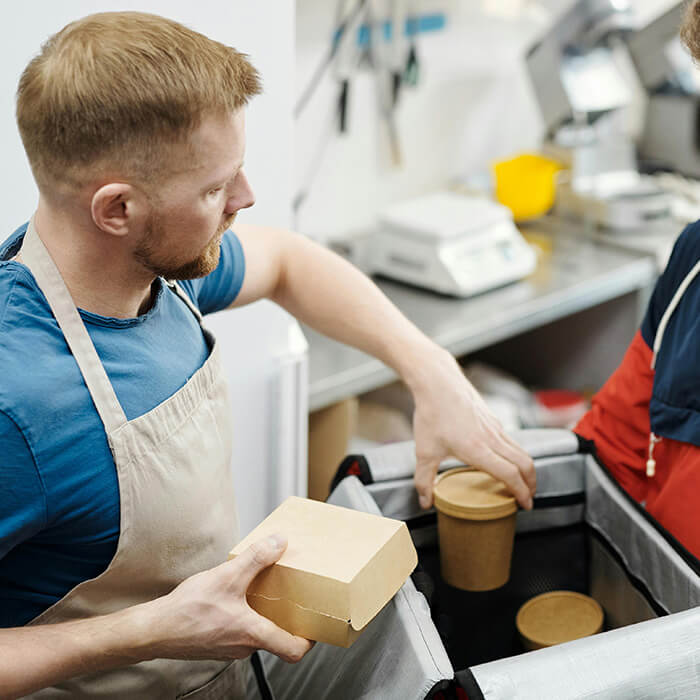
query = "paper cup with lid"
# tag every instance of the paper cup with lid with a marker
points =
(557, 617)
(476, 527)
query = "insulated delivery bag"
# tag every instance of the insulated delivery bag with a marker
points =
(584, 535)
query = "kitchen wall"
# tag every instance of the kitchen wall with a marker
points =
(473, 105)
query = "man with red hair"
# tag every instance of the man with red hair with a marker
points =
(117, 505)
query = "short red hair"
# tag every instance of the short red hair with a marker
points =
(115, 90)
(690, 28)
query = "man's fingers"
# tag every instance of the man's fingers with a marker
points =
(509, 474)
(257, 557)
(508, 438)
(515, 462)
(268, 636)
(426, 470)
(521, 459)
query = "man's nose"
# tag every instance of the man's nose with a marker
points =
(242, 196)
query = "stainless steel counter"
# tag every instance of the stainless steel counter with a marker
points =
(576, 273)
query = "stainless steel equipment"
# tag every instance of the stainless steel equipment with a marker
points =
(576, 45)
(580, 87)
(671, 136)
(450, 243)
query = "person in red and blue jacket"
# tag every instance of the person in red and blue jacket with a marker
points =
(645, 421)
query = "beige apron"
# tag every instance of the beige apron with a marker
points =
(177, 506)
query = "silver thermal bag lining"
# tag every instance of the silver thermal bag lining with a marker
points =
(640, 547)
(636, 574)
(654, 660)
(398, 460)
(559, 476)
(623, 602)
(559, 499)
(399, 655)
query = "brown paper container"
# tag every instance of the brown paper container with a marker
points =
(476, 526)
(557, 617)
(340, 568)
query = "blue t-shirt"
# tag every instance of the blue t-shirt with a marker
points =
(59, 496)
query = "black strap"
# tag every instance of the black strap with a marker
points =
(465, 679)
(585, 446)
(565, 499)
(353, 465)
(263, 685)
(635, 581)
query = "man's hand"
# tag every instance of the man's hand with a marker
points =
(208, 617)
(205, 617)
(452, 420)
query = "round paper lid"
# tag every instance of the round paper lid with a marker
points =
(559, 616)
(472, 494)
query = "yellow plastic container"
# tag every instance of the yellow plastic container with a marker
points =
(526, 185)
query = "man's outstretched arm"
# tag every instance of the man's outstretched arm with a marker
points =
(327, 293)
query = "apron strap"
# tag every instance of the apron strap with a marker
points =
(185, 297)
(38, 260)
(658, 338)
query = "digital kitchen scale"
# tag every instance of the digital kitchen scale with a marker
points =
(450, 243)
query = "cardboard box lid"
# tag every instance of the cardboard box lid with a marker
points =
(339, 562)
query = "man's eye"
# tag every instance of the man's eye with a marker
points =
(215, 190)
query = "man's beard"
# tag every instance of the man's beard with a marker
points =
(162, 265)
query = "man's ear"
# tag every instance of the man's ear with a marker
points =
(119, 209)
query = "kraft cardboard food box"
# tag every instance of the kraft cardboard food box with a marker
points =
(340, 568)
